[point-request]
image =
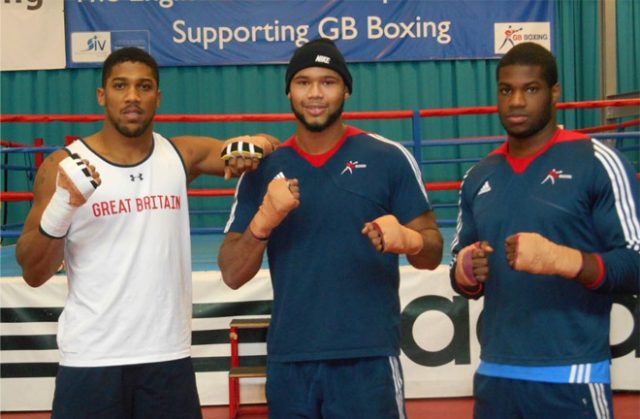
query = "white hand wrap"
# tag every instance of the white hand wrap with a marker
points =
(57, 216)
(79, 174)
(247, 147)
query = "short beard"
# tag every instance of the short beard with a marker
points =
(131, 133)
(318, 127)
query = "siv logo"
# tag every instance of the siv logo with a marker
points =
(351, 166)
(95, 44)
(508, 35)
(90, 47)
(554, 175)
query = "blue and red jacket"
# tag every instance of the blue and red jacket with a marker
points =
(576, 192)
(335, 296)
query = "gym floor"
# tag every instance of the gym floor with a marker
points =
(626, 405)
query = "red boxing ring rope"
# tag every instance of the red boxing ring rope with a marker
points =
(28, 196)
(277, 117)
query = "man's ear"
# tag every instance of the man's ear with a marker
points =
(100, 95)
(556, 91)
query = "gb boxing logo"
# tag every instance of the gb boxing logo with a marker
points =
(351, 166)
(554, 175)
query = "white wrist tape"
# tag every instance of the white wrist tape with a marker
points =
(56, 218)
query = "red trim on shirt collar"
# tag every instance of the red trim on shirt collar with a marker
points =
(520, 164)
(318, 160)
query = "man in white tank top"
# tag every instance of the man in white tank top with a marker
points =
(114, 207)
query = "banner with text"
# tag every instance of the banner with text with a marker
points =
(214, 32)
(31, 35)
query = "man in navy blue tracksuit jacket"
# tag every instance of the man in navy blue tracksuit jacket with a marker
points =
(547, 232)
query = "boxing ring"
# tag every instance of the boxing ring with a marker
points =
(439, 345)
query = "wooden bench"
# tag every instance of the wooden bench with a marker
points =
(236, 372)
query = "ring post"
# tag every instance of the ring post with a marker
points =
(39, 157)
(417, 136)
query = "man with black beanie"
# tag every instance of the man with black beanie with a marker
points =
(334, 207)
(319, 53)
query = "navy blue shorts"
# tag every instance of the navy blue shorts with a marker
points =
(159, 390)
(349, 388)
(505, 398)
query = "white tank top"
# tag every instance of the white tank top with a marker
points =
(128, 257)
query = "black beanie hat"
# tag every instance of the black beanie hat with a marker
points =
(318, 53)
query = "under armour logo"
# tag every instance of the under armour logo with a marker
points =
(351, 166)
(134, 177)
(554, 175)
